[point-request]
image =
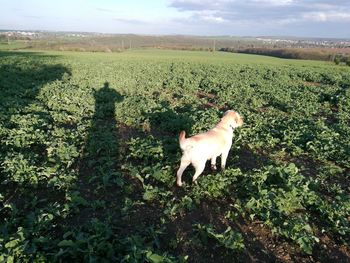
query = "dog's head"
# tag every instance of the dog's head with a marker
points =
(232, 119)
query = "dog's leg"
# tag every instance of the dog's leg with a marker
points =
(183, 166)
(224, 158)
(199, 169)
(213, 163)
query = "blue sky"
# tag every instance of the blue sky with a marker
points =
(305, 18)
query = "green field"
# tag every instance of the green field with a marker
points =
(12, 45)
(185, 56)
(89, 152)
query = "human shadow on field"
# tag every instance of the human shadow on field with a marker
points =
(21, 79)
(99, 162)
(22, 76)
(101, 149)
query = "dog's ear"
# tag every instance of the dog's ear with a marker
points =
(232, 118)
(226, 113)
(229, 114)
(238, 119)
(182, 135)
(227, 117)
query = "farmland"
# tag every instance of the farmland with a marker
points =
(89, 153)
(336, 50)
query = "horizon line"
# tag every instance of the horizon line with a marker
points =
(176, 34)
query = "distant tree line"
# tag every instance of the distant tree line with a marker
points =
(296, 53)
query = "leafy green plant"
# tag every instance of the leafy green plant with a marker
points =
(229, 238)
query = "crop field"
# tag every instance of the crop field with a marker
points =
(89, 153)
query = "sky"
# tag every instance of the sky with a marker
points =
(301, 18)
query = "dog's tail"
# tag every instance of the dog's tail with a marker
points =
(182, 139)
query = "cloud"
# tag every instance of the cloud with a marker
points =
(34, 17)
(130, 21)
(318, 18)
(105, 10)
(326, 16)
(264, 11)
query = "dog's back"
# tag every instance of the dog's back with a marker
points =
(201, 146)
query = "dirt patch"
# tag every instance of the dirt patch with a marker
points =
(310, 167)
(210, 101)
(202, 95)
(126, 132)
(263, 109)
(249, 159)
(328, 251)
(312, 84)
(260, 244)
(208, 105)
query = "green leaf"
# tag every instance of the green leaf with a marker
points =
(305, 244)
(10, 259)
(66, 243)
(11, 243)
(154, 258)
(148, 195)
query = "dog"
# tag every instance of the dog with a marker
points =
(196, 150)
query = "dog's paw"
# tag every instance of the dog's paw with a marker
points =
(179, 184)
(213, 167)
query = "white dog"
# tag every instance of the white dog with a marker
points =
(197, 149)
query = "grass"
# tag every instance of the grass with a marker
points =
(151, 54)
(192, 56)
(13, 45)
